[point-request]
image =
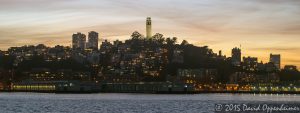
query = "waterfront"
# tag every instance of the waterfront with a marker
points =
(129, 103)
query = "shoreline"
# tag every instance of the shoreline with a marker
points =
(164, 92)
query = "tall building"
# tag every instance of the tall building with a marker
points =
(220, 53)
(275, 59)
(148, 27)
(236, 56)
(78, 41)
(93, 40)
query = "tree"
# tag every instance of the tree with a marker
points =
(168, 40)
(159, 37)
(174, 40)
(171, 41)
(136, 35)
(184, 42)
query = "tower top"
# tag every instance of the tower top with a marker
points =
(148, 21)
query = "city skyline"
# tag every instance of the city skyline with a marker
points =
(261, 27)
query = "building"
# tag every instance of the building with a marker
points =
(79, 41)
(147, 87)
(261, 66)
(196, 75)
(178, 56)
(93, 40)
(45, 74)
(250, 63)
(290, 68)
(41, 86)
(148, 28)
(270, 67)
(93, 58)
(275, 59)
(236, 56)
(245, 77)
(221, 56)
(1, 53)
(1, 86)
(56, 86)
(105, 47)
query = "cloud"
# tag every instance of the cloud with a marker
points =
(294, 60)
(206, 42)
(271, 25)
(275, 49)
(204, 16)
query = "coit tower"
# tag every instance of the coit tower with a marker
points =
(148, 27)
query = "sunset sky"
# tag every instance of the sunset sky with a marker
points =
(260, 26)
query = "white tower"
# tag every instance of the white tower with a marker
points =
(148, 28)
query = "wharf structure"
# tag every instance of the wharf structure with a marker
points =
(90, 87)
(150, 87)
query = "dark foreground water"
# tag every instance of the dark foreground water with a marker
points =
(128, 103)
